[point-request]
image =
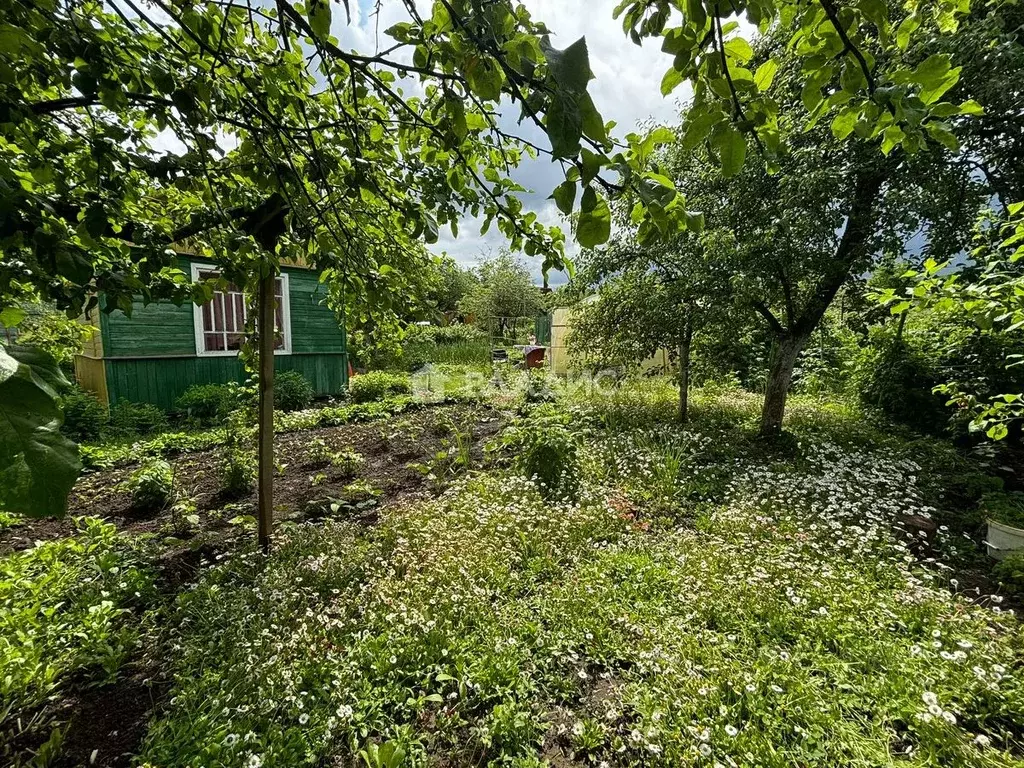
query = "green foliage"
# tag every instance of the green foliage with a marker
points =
(450, 626)
(319, 454)
(207, 403)
(1010, 572)
(38, 465)
(65, 609)
(292, 391)
(53, 332)
(545, 451)
(378, 385)
(1006, 508)
(990, 297)
(151, 485)
(237, 469)
(136, 419)
(899, 381)
(504, 298)
(84, 415)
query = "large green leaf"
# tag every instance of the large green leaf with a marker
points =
(38, 465)
(732, 149)
(570, 68)
(320, 17)
(595, 222)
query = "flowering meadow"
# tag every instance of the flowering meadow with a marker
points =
(692, 597)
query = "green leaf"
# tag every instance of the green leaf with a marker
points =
(591, 120)
(11, 317)
(843, 123)
(732, 149)
(485, 79)
(941, 133)
(595, 224)
(564, 196)
(765, 74)
(739, 50)
(997, 431)
(697, 126)
(971, 107)
(570, 68)
(564, 126)
(696, 14)
(38, 465)
(673, 78)
(891, 137)
(906, 28)
(319, 12)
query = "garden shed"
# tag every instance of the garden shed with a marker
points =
(161, 349)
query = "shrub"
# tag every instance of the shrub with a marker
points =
(84, 415)
(237, 470)
(378, 385)
(207, 403)
(292, 391)
(131, 419)
(545, 451)
(151, 485)
(898, 381)
(1010, 572)
(318, 453)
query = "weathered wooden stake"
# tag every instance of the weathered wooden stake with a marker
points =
(266, 410)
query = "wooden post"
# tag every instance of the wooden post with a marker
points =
(684, 369)
(266, 410)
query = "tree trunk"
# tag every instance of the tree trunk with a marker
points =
(266, 410)
(684, 371)
(779, 377)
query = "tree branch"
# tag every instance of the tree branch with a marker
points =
(773, 321)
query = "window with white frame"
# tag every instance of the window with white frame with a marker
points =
(220, 323)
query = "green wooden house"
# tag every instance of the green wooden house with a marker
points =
(162, 349)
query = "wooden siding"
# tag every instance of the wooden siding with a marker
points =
(151, 356)
(162, 329)
(162, 380)
(91, 374)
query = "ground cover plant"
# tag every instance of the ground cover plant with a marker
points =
(65, 616)
(702, 597)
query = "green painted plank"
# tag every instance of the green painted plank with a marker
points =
(162, 380)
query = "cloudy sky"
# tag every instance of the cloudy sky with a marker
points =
(626, 89)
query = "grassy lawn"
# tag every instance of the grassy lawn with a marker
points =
(607, 588)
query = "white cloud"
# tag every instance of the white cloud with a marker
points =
(626, 89)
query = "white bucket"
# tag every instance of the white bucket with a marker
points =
(1003, 539)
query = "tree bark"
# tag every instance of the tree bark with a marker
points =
(860, 223)
(266, 409)
(684, 370)
(780, 375)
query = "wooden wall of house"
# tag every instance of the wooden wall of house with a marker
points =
(151, 356)
(162, 380)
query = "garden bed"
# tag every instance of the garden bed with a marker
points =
(391, 449)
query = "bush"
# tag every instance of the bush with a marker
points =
(545, 451)
(1010, 572)
(207, 403)
(292, 391)
(237, 469)
(378, 385)
(151, 485)
(898, 381)
(131, 419)
(84, 415)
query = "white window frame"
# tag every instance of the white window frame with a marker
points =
(197, 317)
